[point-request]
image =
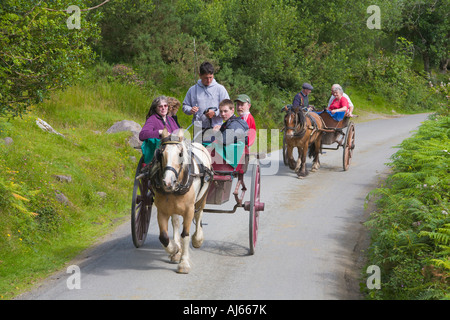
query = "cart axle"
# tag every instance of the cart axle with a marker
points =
(259, 206)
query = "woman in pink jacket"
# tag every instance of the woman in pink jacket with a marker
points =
(157, 119)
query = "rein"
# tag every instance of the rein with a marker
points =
(181, 187)
(301, 133)
(297, 132)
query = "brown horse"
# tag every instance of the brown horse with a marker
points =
(180, 182)
(302, 132)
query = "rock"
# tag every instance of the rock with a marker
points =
(8, 141)
(125, 125)
(62, 178)
(101, 194)
(62, 198)
(128, 125)
(134, 141)
(46, 127)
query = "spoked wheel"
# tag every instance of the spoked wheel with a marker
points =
(349, 145)
(255, 207)
(141, 207)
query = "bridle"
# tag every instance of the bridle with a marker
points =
(171, 140)
(181, 187)
(296, 124)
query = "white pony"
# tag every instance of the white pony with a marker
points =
(180, 182)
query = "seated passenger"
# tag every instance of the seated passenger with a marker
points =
(174, 105)
(350, 103)
(157, 120)
(233, 129)
(340, 103)
(243, 105)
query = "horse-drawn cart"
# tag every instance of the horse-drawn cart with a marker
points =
(333, 129)
(334, 133)
(219, 191)
(220, 183)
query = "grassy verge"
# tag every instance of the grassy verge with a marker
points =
(38, 234)
(410, 231)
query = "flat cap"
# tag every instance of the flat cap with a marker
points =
(307, 86)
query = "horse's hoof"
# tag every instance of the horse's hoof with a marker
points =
(301, 175)
(197, 243)
(183, 268)
(175, 258)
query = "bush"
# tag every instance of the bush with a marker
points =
(410, 230)
(391, 75)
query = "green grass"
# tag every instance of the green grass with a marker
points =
(40, 236)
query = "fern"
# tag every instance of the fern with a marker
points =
(441, 236)
(410, 231)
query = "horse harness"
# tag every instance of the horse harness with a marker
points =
(182, 187)
(302, 132)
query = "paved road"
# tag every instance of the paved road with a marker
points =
(309, 244)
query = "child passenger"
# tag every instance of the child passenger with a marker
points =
(233, 128)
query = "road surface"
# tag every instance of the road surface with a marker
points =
(309, 243)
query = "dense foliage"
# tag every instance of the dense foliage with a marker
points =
(39, 52)
(266, 48)
(411, 229)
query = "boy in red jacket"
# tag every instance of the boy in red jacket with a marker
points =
(243, 105)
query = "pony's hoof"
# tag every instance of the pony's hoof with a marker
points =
(197, 241)
(183, 268)
(175, 258)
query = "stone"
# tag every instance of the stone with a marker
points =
(134, 141)
(128, 125)
(8, 141)
(63, 178)
(101, 194)
(62, 198)
(124, 125)
(46, 127)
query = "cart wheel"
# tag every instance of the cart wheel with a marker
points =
(285, 160)
(349, 145)
(141, 207)
(255, 207)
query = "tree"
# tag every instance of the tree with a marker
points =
(39, 51)
(427, 24)
(118, 22)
